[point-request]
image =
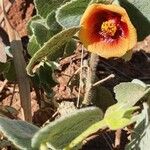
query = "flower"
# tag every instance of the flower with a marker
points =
(107, 30)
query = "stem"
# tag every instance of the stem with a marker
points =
(80, 83)
(20, 65)
(91, 77)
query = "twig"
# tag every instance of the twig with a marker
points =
(12, 96)
(103, 80)
(75, 73)
(6, 9)
(3, 85)
(80, 84)
(117, 138)
(20, 65)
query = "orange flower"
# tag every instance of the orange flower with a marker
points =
(107, 30)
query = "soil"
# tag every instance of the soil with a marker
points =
(138, 67)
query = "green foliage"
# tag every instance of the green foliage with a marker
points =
(61, 132)
(138, 10)
(46, 75)
(9, 72)
(51, 34)
(130, 93)
(33, 45)
(69, 48)
(118, 116)
(51, 47)
(69, 15)
(140, 137)
(4, 67)
(45, 7)
(52, 23)
(29, 27)
(103, 98)
(18, 132)
(41, 32)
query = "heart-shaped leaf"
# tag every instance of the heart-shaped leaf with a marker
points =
(130, 93)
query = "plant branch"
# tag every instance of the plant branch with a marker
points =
(91, 77)
(103, 80)
(20, 65)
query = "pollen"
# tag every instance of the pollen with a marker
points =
(109, 28)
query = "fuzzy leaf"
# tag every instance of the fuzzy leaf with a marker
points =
(61, 132)
(70, 14)
(138, 10)
(130, 93)
(18, 132)
(140, 137)
(101, 1)
(33, 46)
(103, 98)
(41, 32)
(74, 144)
(118, 116)
(45, 7)
(70, 48)
(29, 27)
(44, 29)
(52, 23)
(51, 47)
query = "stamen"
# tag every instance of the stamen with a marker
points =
(109, 28)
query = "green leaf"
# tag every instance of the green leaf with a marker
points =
(138, 10)
(92, 129)
(29, 27)
(33, 46)
(41, 32)
(140, 137)
(102, 1)
(103, 98)
(61, 132)
(44, 7)
(4, 67)
(130, 93)
(51, 47)
(18, 132)
(44, 29)
(70, 47)
(10, 74)
(118, 116)
(69, 15)
(46, 75)
(52, 23)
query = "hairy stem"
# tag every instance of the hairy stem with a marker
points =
(91, 78)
